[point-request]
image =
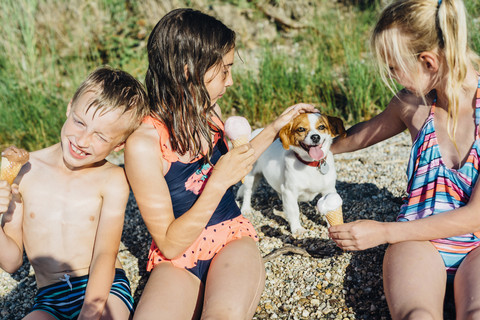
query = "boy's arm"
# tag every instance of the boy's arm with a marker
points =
(11, 232)
(107, 242)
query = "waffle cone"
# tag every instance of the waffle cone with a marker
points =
(9, 170)
(335, 217)
(239, 141)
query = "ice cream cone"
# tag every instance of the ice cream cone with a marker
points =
(9, 170)
(13, 159)
(335, 217)
(240, 141)
(330, 205)
(238, 131)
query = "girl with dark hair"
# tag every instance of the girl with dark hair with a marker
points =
(203, 259)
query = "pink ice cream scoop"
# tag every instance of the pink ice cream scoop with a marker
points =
(238, 130)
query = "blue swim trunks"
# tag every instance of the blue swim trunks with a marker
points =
(64, 299)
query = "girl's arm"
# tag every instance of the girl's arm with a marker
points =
(263, 140)
(364, 234)
(144, 167)
(386, 124)
(11, 232)
(107, 243)
(452, 223)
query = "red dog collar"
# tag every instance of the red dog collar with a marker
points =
(312, 163)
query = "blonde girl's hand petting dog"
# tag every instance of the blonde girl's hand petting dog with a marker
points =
(359, 235)
(233, 166)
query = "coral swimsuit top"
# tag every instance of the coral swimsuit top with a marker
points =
(433, 187)
(186, 180)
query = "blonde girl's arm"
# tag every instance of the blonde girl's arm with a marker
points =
(144, 167)
(11, 231)
(364, 234)
(383, 126)
(107, 242)
(452, 223)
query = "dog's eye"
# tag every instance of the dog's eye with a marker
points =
(301, 129)
(321, 127)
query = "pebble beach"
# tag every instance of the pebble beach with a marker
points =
(308, 276)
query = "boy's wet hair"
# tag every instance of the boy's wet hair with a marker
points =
(182, 47)
(115, 89)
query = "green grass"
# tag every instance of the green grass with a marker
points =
(47, 47)
(330, 68)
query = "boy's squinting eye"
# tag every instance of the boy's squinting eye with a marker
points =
(78, 121)
(101, 138)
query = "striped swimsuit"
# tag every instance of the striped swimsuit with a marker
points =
(433, 188)
(64, 300)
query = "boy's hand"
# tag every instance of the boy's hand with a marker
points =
(234, 165)
(290, 113)
(5, 196)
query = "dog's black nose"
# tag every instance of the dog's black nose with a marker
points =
(315, 138)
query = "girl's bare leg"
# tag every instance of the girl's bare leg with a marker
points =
(414, 279)
(115, 309)
(235, 282)
(170, 293)
(39, 315)
(467, 287)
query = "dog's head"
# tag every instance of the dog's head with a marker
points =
(312, 134)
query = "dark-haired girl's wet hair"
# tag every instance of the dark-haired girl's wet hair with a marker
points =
(184, 44)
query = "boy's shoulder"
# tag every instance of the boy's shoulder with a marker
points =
(47, 162)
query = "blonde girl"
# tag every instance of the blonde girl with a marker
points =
(422, 45)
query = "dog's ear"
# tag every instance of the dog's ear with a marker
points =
(336, 126)
(285, 135)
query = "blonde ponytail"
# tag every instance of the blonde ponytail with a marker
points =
(452, 27)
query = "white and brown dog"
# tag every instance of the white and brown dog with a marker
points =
(298, 166)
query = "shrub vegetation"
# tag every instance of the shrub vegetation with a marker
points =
(47, 48)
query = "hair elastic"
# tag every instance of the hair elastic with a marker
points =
(439, 2)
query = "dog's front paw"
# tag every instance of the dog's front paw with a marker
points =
(298, 231)
(246, 208)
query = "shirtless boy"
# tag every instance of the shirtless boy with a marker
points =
(71, 212)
